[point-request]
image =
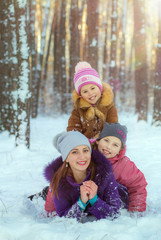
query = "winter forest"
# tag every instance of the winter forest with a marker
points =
(42, 40)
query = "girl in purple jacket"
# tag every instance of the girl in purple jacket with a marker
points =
(82, 183)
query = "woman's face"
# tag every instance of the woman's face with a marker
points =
(79, 158)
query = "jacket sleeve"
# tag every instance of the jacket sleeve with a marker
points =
(112, 116)
(132, 178)
(108, 203)
(66, 207)
(74, 122)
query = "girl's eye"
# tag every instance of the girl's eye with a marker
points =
(106, 140)
(116, 145)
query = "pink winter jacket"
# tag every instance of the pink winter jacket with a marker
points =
(127, 174)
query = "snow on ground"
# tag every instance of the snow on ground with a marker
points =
(21, 175)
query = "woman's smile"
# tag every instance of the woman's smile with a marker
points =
(82, 163)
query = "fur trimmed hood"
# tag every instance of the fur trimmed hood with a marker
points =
(106, 100)
(103, 166)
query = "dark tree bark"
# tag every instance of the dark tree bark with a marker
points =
(75, 17)
(46, 60)
(62, 60)
(56, 52)
(33, 53)
(23, 93)
(122, 72)
(36, 83)
(113, 49)
(157, 79)
(105, 51)
(92, 24)
(60, 87)
(4, 87)
(141, 76)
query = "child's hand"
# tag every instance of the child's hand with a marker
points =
(84, 193)
(91, 187)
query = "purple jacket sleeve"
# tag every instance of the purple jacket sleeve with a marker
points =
(101, 209)
(108, 204)
(64, 208)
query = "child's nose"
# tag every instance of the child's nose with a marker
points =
(90, 93)
(109, 146)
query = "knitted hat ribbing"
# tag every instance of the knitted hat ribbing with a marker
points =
(85, 74)
(114, 129)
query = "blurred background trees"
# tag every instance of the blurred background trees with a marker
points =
(42, 40)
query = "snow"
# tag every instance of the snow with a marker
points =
(93, 43)
(21, 175)
(112, 63)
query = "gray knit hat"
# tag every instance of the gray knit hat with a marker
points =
(115, 130)
(66, 141)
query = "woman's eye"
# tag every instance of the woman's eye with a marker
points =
(86, 150)
(74, 152)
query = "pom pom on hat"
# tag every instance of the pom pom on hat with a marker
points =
(56, 138)
(85, 74)
(81, 65)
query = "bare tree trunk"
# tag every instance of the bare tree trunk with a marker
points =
(60, 58)
(141, 77)
(56, 52)
(122, 72)
(12, 67)
(92, 23)
(113, 49)
(75, 16)
(33, 51)
(45, 74)
(105, 51)
(62, 61)
(23, 93)
(157, 85)
(37, 81)
(4, 87)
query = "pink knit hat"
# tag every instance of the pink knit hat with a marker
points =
(85, 74)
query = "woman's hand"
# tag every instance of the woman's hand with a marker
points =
(84, 193)
(91, 188)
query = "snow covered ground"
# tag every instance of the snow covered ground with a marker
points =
(21, 175)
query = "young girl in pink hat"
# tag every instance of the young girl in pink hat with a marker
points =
(93, 102)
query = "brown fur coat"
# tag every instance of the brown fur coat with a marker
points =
(89, 120)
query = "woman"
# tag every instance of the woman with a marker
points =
(82, 184)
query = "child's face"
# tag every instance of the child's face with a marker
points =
(91, 93)
(109, 146)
